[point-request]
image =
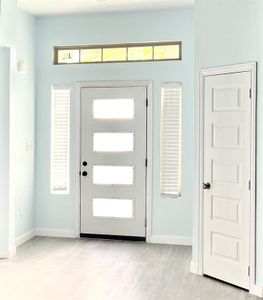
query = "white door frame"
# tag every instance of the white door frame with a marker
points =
(149, 139)
(246, 67)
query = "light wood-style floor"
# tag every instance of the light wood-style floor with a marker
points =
(84, 269)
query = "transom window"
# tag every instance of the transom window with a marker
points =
(118, 53)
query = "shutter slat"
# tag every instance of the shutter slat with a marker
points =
(60, 140)
(171, 140)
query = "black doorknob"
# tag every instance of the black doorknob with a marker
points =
(84, 173)
(84, 163)
(206, 186)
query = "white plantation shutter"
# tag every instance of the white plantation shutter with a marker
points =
(171, 139)
(60, 134)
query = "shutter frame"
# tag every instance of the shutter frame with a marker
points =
(60, 140)
(171, 140)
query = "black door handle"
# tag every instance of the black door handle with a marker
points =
(84, 164)
(84, 173)
(206, 186)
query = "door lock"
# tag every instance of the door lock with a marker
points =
(206, 186)
(84, 164)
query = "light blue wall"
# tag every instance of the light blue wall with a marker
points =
(8, 23)
(7, 74)
(230, 32)
(170, 216)
(5, 222)
(24, 126)
(16, 124)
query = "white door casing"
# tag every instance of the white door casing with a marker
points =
(204, 74)
(198, 266)
(133, 160)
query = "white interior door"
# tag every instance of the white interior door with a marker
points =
(113, 155)
(227, 169)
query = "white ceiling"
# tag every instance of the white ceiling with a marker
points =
(53, 7)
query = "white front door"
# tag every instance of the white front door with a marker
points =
(227, 172)
(113, 157)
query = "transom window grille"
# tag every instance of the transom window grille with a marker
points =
(171, 139)
(118, 53)
(60, 140)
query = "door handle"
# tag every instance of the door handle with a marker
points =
(84, 173)
(206, 186)
(84, 164)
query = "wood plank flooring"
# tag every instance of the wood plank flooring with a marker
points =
(87, 269)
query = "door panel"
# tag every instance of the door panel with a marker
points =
(113, 175)
(114, 147)
(113, 208)
(113, 109)
(113, 142)
(227, 130)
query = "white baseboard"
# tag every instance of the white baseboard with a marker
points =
(24, 238)
(8, 254)
(170, 240)
(62, 233)
(257, 291)
(194, 267)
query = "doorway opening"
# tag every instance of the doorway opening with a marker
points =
(115, 160)
(227, 179)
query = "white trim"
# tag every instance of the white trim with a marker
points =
(149, 177)
(247, 67)
(60, 233)
(77, 161)
(193, 267)
(8, 254)
(24, 238)
(170, 240)
(131, 83)
(253, 287)
(257, 291)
